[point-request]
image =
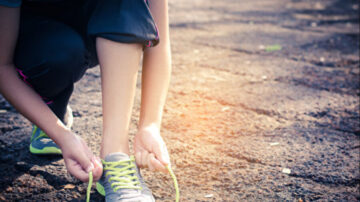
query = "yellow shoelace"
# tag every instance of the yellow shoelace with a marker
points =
(129, 182)
(89, 187)
(124, 177)
(177, 196)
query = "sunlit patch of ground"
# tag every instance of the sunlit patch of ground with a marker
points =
(241, 123)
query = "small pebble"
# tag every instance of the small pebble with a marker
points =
(274, 143)
(286, 170)
(69, 186)
(209, 195)
(80, 189)
(275, 47)
(225, 108)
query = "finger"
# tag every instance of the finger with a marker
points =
(162, 154)
(138, 159)
(144, 158)
(158, 165)
(97, 172)
(87, 149)
(76, 170)
(82, 158)
(98, 161)
(95, 160)
(149, 163)
(166, 157)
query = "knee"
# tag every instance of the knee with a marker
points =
(50, 54)
(68, 59)
(64, 65)
(52, 62)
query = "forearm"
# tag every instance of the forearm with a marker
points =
(155, 82)
(28, 103)
(156, 69)
(21, 96)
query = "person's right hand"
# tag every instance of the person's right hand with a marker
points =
(79, 159)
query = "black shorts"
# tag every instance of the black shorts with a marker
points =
(56, 42)
(126, 21)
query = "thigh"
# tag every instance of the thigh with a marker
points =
(49, 55)
(74, 14)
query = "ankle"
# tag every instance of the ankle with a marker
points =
(112, 143)
(106, 151)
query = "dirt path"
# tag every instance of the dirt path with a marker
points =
(263, 106)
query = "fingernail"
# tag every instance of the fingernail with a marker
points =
(98, 162)
(90, 168)
(98, 158)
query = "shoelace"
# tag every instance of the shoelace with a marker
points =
(88, 190)
(124, 177)
(177, 196)
(124, 180)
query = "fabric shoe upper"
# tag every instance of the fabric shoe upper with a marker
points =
(121, 180)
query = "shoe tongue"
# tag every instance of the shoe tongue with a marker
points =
(118, 156)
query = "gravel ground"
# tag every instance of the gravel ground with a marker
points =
(263, 106)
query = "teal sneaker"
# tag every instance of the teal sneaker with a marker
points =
(121, 180)
(40, 143)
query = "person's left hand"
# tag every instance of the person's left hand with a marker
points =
(150, 149)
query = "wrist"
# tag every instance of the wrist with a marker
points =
(63, 136)
(149, 127)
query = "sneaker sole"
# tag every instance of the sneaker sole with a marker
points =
(45, 150)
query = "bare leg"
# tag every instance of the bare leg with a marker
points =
(119, 65)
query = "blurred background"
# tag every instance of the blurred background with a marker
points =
(263, 106)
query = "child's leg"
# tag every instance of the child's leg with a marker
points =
(50, 58)
(119, 65)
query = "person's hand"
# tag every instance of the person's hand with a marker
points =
(150, 149)
(79, 159)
